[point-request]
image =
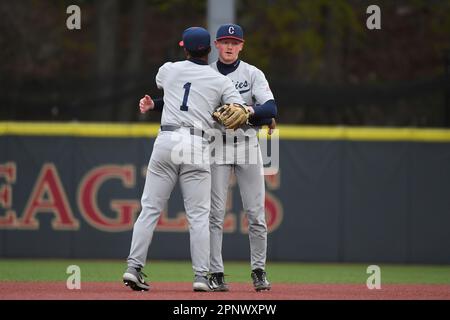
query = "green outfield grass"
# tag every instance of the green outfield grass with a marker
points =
(110, 270)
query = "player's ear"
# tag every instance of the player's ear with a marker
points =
(216, 43)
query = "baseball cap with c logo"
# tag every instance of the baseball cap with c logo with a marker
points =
(230, 31)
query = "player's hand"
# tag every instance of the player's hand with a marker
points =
(272, 126)
(146, 103)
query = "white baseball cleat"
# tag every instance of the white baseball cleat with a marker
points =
(201, 283)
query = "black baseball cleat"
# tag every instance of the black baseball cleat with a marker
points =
(134, 278)
(259, 278)
(217, 282)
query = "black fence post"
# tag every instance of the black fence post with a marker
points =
(447, 87)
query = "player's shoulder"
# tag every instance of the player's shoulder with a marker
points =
(167, 64)
(250, 68)
(216, 72)
(165, 67)
(176, 64)
(214, 66)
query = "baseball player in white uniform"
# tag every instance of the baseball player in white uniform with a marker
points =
(254, 89)
(192, 90)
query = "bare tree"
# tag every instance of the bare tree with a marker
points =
(134, 60)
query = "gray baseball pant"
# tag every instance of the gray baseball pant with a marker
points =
(195, 182)
(250, 179)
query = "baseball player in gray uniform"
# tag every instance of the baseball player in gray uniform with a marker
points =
(254, 89)
(192, 90)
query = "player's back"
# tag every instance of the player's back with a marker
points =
(192, 91)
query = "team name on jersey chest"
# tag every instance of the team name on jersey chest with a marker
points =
(241, 86)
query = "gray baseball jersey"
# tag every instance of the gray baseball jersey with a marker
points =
(196, 89)
(191, 92)
(252, 86)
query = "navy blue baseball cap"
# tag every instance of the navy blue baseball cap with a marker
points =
(195, 39)
(230, 31)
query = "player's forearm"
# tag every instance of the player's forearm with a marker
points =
(267, 110)
(261, 122)
(159, 104)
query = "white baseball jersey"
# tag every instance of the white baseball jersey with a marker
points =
(251, 84)
(191, 93)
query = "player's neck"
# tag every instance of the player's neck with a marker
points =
(235, 62)
(226, 68)
(201, 61)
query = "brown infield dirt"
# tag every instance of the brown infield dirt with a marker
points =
(10, 290)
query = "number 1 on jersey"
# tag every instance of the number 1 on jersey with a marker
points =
(187, 87)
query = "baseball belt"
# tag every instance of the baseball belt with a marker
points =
(193, 131)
